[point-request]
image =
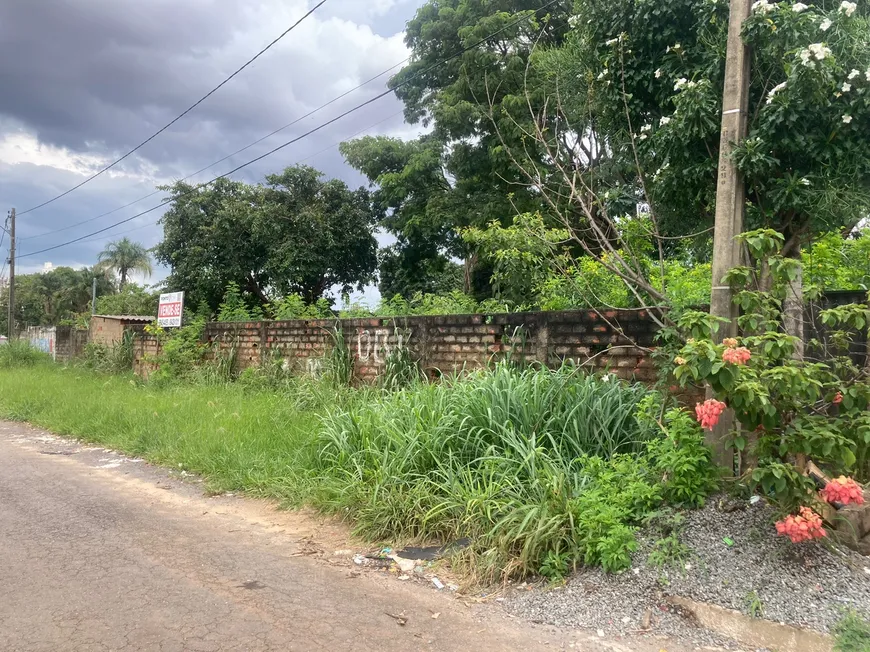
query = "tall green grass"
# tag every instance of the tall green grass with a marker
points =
(517, 459)
(240, 440)
(19, 353)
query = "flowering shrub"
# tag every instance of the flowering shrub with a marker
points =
(844, 491)
(790, 409)
(708, 413)
(738, 356)
(804, 527)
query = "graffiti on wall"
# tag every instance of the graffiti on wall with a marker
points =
(376, 344)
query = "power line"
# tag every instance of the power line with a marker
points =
(228, 156)
(298, 138)
(307, 158)
(177, 118)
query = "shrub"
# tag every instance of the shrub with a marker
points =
(794, 408)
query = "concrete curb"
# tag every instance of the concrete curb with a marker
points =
(755, 632)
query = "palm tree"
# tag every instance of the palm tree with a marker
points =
(123, 257)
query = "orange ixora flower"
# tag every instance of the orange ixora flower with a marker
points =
(708, 412)
(838, 398)
(806, 526)
(843, 490)
(737, 356)
(730, 342)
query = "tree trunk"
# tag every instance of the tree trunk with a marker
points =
(793, 305)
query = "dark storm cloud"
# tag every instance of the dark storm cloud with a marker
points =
(96, 77)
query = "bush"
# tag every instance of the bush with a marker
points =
(117, 358)
(20, 353)
(542, 469)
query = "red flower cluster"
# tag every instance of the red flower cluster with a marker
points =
(730, 342)
(843, 490)
(804, 527)
(708, 412)
(736, 356)
(838, 398)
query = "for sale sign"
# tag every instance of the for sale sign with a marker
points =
(170, 308)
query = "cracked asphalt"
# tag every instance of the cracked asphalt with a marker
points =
(103, 552)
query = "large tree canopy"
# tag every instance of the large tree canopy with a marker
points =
(651, 85)
(456, 176)
(298, 233)
(50, 298)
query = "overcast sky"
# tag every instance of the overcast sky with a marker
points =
(86, 80)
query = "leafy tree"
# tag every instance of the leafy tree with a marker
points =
(456, 176)
(47, 299)
(296, 234)
(133, 299)
(123, 257)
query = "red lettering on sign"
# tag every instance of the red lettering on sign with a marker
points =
(169, 310)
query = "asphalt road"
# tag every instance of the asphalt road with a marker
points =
(101, 552)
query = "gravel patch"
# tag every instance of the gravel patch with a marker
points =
(735, 560)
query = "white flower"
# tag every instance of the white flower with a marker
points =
(798, 7)
(826, 25)
(847, 7)
(818, 51)
(867, 74)
(804, 182)
(573, 21)
(602, 74)
(847, 87)
(847, 119)
(854, 73)
(658, 73)
(612, 41)
(682, 81)
(773, 91)
(642, 137)
(763, 6)
(664, 121)
(645, 128)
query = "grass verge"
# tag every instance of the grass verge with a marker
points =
(239, 440)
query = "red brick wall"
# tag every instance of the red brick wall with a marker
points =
(446, 343)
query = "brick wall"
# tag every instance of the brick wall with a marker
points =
(443, 344)
(145, 349)
(70, 342)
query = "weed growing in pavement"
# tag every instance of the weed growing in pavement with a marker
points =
(754, 605)
(669, 552)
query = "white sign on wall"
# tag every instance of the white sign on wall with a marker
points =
(170, 308)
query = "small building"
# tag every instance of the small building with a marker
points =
(109, 329)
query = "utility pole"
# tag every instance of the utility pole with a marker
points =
(94, 297)
(730, 201)
(12, 274)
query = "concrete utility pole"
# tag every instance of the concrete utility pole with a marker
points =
(730, 199)
(12, 274)
(94, 297)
